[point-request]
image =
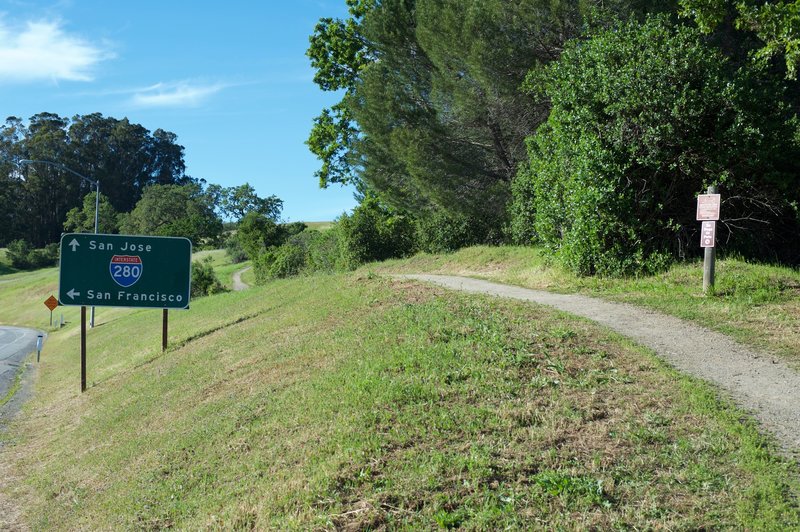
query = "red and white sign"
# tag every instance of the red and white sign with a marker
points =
(708, 206)
(708, 234)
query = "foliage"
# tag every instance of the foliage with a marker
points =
(82, 220)
(204, 280)
(438, 231)
(293, 228)
(236, 202)
(288, 260)
(234, 248)
(373, 233)
(431, 115)
(124, 157)
(174, 210)
(776, 23)
(645, 117)
(257, 233)
(305, 252)
(322, 250)
(24, 257)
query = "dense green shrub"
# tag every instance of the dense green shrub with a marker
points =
(234, 248)
(204, 280)
(24, 257)
(644, 117)
(323, 250)
(257, 233)
(373, 233)
(308, 251)
(288, 260)
(439, 231)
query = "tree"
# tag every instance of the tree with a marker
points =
(238, 201)
(174, 210)
(644, 117)
(775, 23)
(124, 157)
(82, 220)
(11, 186)
(257, 233)
(431, 115)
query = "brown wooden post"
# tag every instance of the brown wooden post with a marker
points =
(83, 349)
(710, 256)
(164, 326)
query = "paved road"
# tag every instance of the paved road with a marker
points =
(15, 344)
(765, 386)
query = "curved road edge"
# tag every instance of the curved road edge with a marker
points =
(15, 345)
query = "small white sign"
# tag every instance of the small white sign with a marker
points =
(708, 234)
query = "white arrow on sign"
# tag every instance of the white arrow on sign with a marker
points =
(72, 293)
(74, 244)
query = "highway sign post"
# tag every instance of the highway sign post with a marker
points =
(123, 271)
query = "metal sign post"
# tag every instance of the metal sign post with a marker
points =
(39, 342)
(164, 326)
(83, 349)
(51, 303)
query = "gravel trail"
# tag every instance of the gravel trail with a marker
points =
(238, 284)
(762, 385)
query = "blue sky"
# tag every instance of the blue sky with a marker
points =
(230, 79)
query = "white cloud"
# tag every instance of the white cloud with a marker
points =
(176, 94)
(44, 51)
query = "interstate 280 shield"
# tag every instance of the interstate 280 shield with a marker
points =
(125, 269)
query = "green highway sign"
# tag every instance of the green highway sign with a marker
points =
(125, 271)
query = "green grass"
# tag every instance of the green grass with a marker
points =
(756, 304)
(249, 277)
(352, 401)
(5, 264)
(319, 226)
(222, 264)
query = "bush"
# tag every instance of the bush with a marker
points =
(373, 233)
(323, 250)
(438, 231)
(24, 257)
(204, 280)
(288, 260)
(234, 249)
(644, 117)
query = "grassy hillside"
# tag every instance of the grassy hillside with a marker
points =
(319, 226)
(5, 264)
(357, 401)
(757, 304)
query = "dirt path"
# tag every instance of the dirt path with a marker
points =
(238, 285)
(760, 384)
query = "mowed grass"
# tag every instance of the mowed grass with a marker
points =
(222, 264)
(351, 401)
(5, 263)
(754, 303)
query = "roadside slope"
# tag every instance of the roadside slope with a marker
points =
(355, 401)
(760, 384)
(755, 304)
